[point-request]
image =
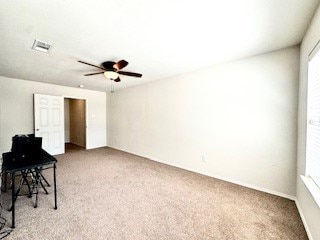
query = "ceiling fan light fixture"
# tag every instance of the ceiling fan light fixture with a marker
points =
(111, 75)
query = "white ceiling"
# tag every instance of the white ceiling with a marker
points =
(158, 38)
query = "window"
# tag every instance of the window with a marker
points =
(312, 178)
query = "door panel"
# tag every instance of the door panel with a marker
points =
(56, 117)
(49, 122)
(44, 121)
(45, 139)
(56, 139)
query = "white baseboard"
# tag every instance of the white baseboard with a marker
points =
(280, 194)
(303, 219)
(218, 177)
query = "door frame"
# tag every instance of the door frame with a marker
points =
(86, 113)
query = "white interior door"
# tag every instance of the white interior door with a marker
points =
(49, 122)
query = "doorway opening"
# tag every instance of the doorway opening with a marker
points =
(75, 123)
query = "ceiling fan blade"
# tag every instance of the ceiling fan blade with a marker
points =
(131, 74)
(91, 65)
(117, 79)
(89, 74)
(121, 64)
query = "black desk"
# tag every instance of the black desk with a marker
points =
(43, 160)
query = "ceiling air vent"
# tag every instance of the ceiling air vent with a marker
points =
(41, 46)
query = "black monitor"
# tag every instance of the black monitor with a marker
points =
(25, 147)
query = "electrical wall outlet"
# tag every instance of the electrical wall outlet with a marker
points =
(204, 158)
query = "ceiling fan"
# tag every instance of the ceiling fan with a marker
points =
(111, 70)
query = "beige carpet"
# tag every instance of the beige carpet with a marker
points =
(108, 194)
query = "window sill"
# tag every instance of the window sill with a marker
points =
(313, 188)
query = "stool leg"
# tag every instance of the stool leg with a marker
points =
(44, 179)
(37, 175)
(16, 192)
(24, 176)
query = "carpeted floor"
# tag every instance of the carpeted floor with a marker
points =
(108, 194)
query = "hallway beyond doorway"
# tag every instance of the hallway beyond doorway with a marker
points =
(70, 147)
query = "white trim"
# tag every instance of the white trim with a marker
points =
(313, 188)
(218, 177)
(303, 220)
(266, 190)
(314, 50)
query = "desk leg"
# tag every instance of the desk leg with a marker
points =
(37, 189)
(55, 186)
(13, 199)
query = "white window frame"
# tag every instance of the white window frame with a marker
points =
(310, 183)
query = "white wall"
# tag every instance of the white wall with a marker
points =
(240, 115)
(17, 109)
(310, 210)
